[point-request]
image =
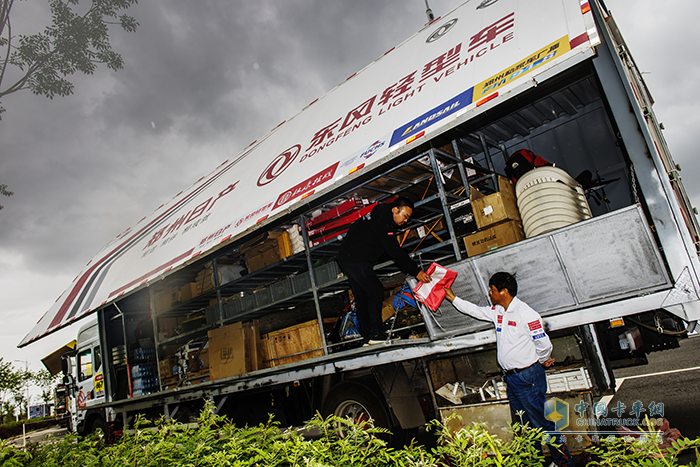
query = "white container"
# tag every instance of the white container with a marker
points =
(549, 199)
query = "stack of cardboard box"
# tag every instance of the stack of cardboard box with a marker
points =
(497, 218)
(167, 326)
(266, 250)
(168, 369)
(239, 348)
(166, 300)
(235, 349)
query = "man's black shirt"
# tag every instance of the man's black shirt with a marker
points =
(371, 237)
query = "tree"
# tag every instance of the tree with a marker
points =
(73, 42)
(3, 188)
(11, 383)
(46, 382)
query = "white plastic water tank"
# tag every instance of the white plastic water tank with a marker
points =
(548, 199)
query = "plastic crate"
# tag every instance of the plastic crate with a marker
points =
(232, 308)
(263, 297)
(212, 313)
(282, 290)
(247, 302)
(327, 273)
(301, 283)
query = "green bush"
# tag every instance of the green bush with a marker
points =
(214, 441)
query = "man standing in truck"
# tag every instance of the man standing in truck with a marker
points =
(524, 351)
(368, 240)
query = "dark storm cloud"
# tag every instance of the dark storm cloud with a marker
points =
(206, 67)
(197, 75)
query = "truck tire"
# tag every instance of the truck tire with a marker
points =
(98, 423)
(357, 402)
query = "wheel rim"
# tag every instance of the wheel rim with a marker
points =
(354, 411)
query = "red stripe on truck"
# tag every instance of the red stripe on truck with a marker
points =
(578, 40)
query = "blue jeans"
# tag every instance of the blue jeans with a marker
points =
(527, 391)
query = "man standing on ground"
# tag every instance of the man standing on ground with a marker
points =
(523, 350)
(366, 242)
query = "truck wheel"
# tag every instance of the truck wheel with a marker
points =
(357, 402)
(98, 423)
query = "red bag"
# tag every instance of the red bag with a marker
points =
(432, 294)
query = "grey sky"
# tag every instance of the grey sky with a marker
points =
(204, 79)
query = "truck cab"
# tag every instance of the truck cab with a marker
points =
(83, 371)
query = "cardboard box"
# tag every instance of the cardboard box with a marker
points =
(388, 307)
(463, 221)
(203, 281)
(165, 300)
(497, 236)
(267, 251)
(495, 208)
(198, 361)
(234, 350)
(190, 290)
(166, 327)
(300, 342)
(168, 367)
(170, 383)
(197, 378)
(203, 363)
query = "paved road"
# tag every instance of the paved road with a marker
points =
(56, 432)
(671, 378)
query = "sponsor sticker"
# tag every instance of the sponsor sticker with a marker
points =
(99, 385)
(431, 117)
(307, 185)
(372, 150)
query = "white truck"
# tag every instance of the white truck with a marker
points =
(239, 267)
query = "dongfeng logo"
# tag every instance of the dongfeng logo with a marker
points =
(279, 165)
(486, 4)
(441, 31)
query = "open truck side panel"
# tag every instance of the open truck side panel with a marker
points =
(434, 119)
(431, 82)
